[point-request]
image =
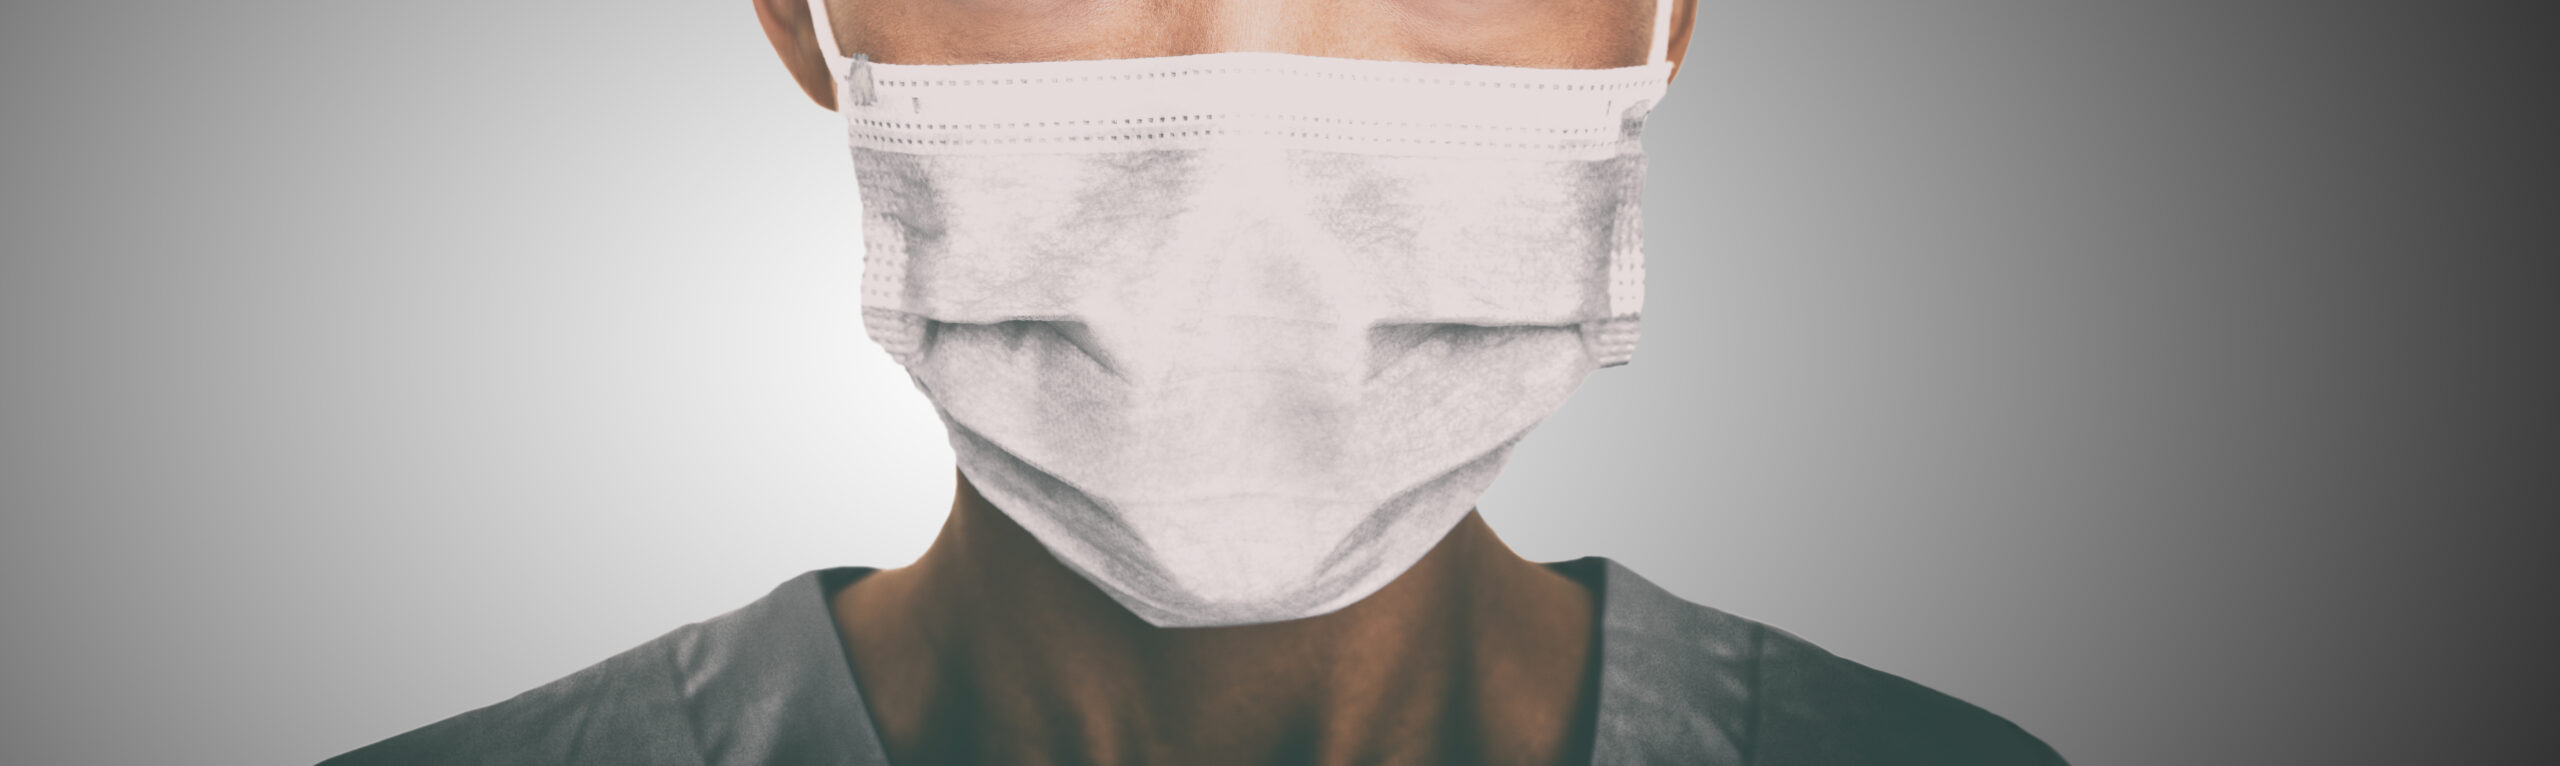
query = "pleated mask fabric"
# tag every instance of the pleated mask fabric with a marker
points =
(1240, 336)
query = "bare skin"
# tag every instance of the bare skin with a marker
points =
(1562, 34)
(987, 650)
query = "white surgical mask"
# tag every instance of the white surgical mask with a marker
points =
(1240, 336)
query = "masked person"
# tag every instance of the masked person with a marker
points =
(1232, 309)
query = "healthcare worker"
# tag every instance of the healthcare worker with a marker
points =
(1232, 309)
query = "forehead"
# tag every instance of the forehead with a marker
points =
(1585, 34)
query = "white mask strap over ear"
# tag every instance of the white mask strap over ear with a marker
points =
(836, 62)
(1661, 30)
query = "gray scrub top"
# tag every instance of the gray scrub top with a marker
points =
(1680, 683)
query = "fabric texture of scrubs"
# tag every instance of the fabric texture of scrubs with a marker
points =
(1679, 683)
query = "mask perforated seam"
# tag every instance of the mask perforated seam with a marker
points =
(884, 281)
(1614, 339)
(1265, 133)
(1135, 76)
(898, 125)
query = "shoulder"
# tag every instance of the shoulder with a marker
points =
(1687, 683)
(624, 710)
(1816, 707)
(764, 684)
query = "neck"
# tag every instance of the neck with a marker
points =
(986, 649)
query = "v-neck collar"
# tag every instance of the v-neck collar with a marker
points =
(1676, 680)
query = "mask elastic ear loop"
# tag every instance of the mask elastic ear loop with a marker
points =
(1661, 31)
(836, 61)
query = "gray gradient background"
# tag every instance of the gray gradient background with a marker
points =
(2157, 375)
